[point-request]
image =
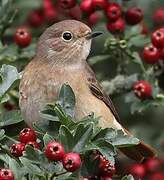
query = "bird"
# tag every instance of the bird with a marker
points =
(61, 57)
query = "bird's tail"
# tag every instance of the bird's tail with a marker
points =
(139, 152)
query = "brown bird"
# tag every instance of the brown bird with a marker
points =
(60, 58)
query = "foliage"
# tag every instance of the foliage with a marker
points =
(82, 137)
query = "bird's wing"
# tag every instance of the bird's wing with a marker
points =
(139, 152)
(97, 91)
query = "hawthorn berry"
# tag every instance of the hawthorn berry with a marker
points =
(151, 54)
(50, 14)
(36, 18)
(71, 161)
(113, 11)
(66, 4)
(137, 170)
(93, 18)
(157, 176)
(106, 168)
(133, 15)
(100, 4)
(142, 90)
(106, 178)
(116, 27)
(75, 13)
(6, 174)
(47, 4)
(22, 37)
(157, 38)
(17, 149)
(161, 53)
(9, 107)
(34, 144)
(158, 17)
(86, 6)
(54, 151)
(27, 135)
(152, 164)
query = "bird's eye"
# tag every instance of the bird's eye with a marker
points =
(67, 36)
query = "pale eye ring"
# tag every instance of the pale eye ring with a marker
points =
(67, 36)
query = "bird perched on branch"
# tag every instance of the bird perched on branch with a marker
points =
(60, 57)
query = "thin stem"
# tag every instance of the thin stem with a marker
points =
(55, 175)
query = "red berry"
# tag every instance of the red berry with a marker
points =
(151, 54)
(54, 151)
(22, 37)
(161, 53)
(9, 107)
(106, 168)
(75, 13)
(6, 174)
(93, 18)
(133, 15)
(152, 164)
(71, 161)
(84, 179)
(34, 144)
(113, 11)
(47, 4)
(142, 89)
(157, 176)
(158, 17)
(50, 14)
(100, 4)
(106, 178)
(36, 18)
(86, 6)
(117, 26)
(17, 149)
(137, 170)
(66, 4)
(26, 135)
(157, 38)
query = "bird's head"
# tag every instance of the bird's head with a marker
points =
(66, 42)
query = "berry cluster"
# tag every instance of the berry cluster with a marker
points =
(55, 151)
(27, 137)
(151, 169)
(90, 10)
(155, 51)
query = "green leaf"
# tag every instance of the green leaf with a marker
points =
(9, 118)
(8, 75)
(47, 138)
(128, 177)
(122, 140)
(2, 134)
(96, 59)
(66, 138)
(16, 168)
(64, 119)
(106, 149)
(133, 31)
(67, 99)
(31, 168)
(82, 136)
(139, 41)
(32, 154)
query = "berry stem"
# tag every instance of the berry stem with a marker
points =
(55, 175)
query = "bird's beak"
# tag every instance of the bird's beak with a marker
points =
(93, 35)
